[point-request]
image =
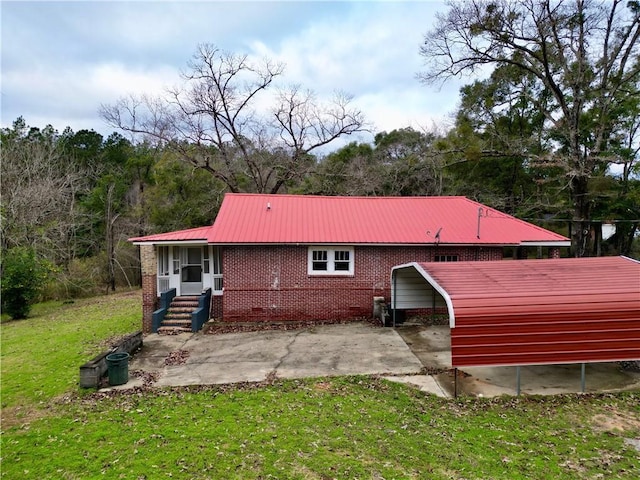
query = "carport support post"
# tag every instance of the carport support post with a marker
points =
(518, 381)
(583, 377)
(455, 382)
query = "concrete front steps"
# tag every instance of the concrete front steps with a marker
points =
(178, 317)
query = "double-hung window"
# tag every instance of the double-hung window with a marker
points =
(330, 261)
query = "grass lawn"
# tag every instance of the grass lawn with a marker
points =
(346, 427)
(41, 355)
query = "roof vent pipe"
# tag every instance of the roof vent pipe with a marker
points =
(436, 238)
(480, 209)
(268, 205)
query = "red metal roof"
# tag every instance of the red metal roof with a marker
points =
(307, 219)
(192, 234)
(518, 312)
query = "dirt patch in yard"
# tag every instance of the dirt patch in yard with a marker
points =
(19, 415)
(619, 423)
(616, 421)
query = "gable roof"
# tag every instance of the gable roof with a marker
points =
(518, 312)
(309, 219)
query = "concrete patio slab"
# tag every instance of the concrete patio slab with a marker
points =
(330, 350)
(401, 354)
(547, 379)
(432, 345)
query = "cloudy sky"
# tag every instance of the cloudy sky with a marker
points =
(62, 60)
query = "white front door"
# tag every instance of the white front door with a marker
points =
(190, 271)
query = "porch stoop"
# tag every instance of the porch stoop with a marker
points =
(178, 317)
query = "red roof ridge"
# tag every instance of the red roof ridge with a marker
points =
(355, 197)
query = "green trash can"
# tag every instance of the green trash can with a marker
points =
(118, 368)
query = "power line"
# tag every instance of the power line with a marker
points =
(585, 221)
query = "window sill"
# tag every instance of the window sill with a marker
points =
(330, 274)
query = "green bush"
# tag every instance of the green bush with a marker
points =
(88, 276)
(23, 275)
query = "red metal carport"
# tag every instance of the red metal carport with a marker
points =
(530, 312)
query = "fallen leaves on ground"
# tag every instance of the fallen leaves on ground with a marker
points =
(177, 357)
(217, 328)
(148, 378)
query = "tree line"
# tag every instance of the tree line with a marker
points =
(551, 135)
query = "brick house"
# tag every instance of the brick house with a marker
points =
(314, 258)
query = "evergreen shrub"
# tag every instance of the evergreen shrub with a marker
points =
(23, 276)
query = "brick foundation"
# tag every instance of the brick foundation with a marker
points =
(216, 307)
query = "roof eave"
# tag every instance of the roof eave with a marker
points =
(203, 241)
(552, 243)
(432, 244)
(170, 242)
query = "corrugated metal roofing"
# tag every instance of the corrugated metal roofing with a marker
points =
(191, 234)
(306, 219)
(309, 219)
(519, 312)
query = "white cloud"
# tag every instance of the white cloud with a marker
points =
(372, 53)
(115, 80)
(409, 109)
(77, 91)
(362, 50)
(67, 59)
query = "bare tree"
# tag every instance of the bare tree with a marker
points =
(582, 53)
(213, 121)
(39, 187)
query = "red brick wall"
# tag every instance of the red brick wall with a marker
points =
(265, 283)
(216, 307)
(148, 270)
(149, 301)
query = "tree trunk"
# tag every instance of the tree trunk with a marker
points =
(580, 241)
(110, 241)
(597, 233)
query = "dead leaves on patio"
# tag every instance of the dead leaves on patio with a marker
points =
(177, 357)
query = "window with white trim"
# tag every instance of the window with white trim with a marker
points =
(330, 261)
